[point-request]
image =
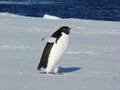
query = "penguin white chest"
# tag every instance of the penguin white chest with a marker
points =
(61, 44)
(56, 52)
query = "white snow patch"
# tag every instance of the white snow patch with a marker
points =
(109, 32)
(14, 47)
(71, 52)
(46, 16)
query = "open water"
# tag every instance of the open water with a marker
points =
(83, 9)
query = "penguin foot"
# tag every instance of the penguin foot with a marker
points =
(57, 73)
(47, 73)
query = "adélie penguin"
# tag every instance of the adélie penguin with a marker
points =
(54, 49)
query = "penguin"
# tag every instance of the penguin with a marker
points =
(54, 49)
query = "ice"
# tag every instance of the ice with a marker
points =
(46, 16)
(91, 61)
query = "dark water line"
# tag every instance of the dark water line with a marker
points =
(83, 9)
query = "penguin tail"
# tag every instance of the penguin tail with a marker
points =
(39, 67)
(42, 64)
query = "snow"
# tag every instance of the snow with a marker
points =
(46, 16)
(91, 61)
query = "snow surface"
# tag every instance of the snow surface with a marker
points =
(91, 61)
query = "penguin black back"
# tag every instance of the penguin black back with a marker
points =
(45, 55)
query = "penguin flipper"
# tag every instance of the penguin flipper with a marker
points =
(49, 39)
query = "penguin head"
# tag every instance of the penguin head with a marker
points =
(60, 31)
(65, 29)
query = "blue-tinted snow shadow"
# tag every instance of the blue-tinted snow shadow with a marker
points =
(68, 69)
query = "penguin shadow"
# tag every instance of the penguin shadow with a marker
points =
(68, 69)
